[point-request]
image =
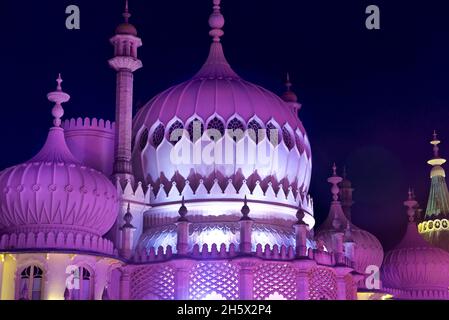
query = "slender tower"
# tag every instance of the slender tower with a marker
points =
(435, 227)
(124, 62)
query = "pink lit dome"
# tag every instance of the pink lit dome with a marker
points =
(415, 269)
(54, 193)
(219, 99)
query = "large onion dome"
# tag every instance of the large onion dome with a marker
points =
(53, 193)
(217, 98)
(415, 269)
(368, 250)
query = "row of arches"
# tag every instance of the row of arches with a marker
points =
(216, 127)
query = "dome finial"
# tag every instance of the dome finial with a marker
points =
(288, 83)
(411, 205)
(58, 97)
(182, 211)
(126, 14)
(216, 22)
(245, 210)
(128, 217)
(335, 180)
(436, 161)
(289, 95)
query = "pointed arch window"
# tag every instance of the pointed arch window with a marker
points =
(84, 290)
(158, 135)
(216, 124)
(272, 134)
(236, 129)
(196, 130)
(255, 131)
(143, 139)
(287, 137)
(175, 133)
(30, 286)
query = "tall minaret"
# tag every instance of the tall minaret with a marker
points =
(125, 62)
(435, 228)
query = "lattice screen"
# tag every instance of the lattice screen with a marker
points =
(209, 279)
(153, 283)
(322, 284)
(274, 280)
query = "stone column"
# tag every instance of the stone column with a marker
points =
(246, 278)
(182, 245)
(182, 279)
(303, 268)
(342, 272)
(246, 226)
(125, 285)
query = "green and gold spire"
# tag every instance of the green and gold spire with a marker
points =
(438, 203)
(435, 227)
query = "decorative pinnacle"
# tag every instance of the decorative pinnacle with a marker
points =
(182, 212)
(437, 160)
(435, 142)
(245, 210)
(128, 217)
(411, 205)
(300, 216)
(335, 180)
(126, 14)
(288, 83)
(216, 22)
(58, 97)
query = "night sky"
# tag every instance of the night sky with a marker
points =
(371, 99)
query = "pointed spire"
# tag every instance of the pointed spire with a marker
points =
(183, 212)
(245, 210)
(128, 217)
(436, 161)
(288, 83)
(289, 95)
(126, 14)
(58, 97)
(216, 65)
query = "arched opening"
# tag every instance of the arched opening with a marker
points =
(83, 288)
(30, 284)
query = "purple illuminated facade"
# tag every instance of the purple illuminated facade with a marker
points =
(135, 209)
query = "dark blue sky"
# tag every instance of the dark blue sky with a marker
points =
(370, 98)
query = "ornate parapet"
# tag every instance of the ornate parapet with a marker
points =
(91, 141)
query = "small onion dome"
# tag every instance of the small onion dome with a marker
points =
(415, 269)
(126, 28)
(54, 192)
